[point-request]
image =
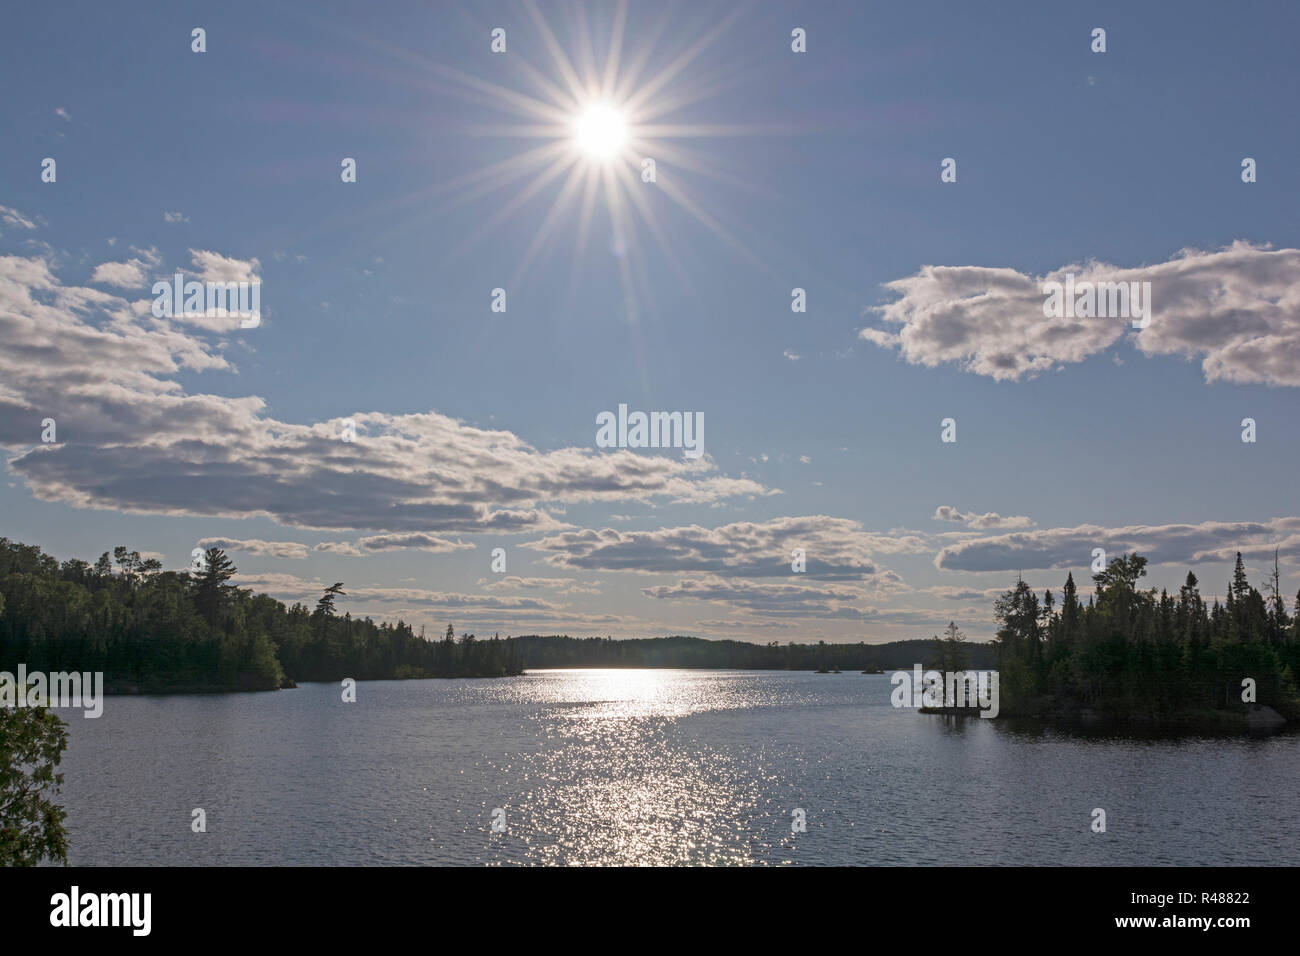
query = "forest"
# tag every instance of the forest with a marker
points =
(155, 631)
(1131, 653)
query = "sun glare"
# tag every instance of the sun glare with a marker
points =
(600, 131)
(602, 134)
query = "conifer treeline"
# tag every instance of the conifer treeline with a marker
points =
(1128, 651)
(148, 629)
(1132, 652)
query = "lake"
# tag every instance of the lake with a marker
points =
(651, 767)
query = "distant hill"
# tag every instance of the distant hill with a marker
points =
(538, 651)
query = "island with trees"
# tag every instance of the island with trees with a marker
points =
(1134, 658)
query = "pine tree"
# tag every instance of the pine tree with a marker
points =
(325, 606)
(1071, 610)
(1240, 587)
(210, 588)
(950, 650)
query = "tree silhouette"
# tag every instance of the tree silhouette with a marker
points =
(325, 606)
(210, 588)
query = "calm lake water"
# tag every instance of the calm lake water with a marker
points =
(651, 766)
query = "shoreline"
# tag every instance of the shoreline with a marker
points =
(1257, 721)
(127, 689)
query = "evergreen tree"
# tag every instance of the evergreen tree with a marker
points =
(1071, 610)
(325, 606)
(210, 588)
(950, 650)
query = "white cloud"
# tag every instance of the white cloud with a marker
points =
(1236, 309)
(1182, 544)
(413, 540)
(757, 595)
(131, 274)
(743, 625)
(835, 548)
(888, 340)
(990, 519)
(271, 549)
(214, 267)
(14, 219)
(510, 582)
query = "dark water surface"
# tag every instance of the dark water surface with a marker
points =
(651, 766)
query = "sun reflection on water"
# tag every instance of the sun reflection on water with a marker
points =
(621, 788)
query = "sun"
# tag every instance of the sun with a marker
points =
(600, 131)
(608, 131)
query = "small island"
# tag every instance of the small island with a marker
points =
(1134, 659)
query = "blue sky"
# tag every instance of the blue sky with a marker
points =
(817, 170)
